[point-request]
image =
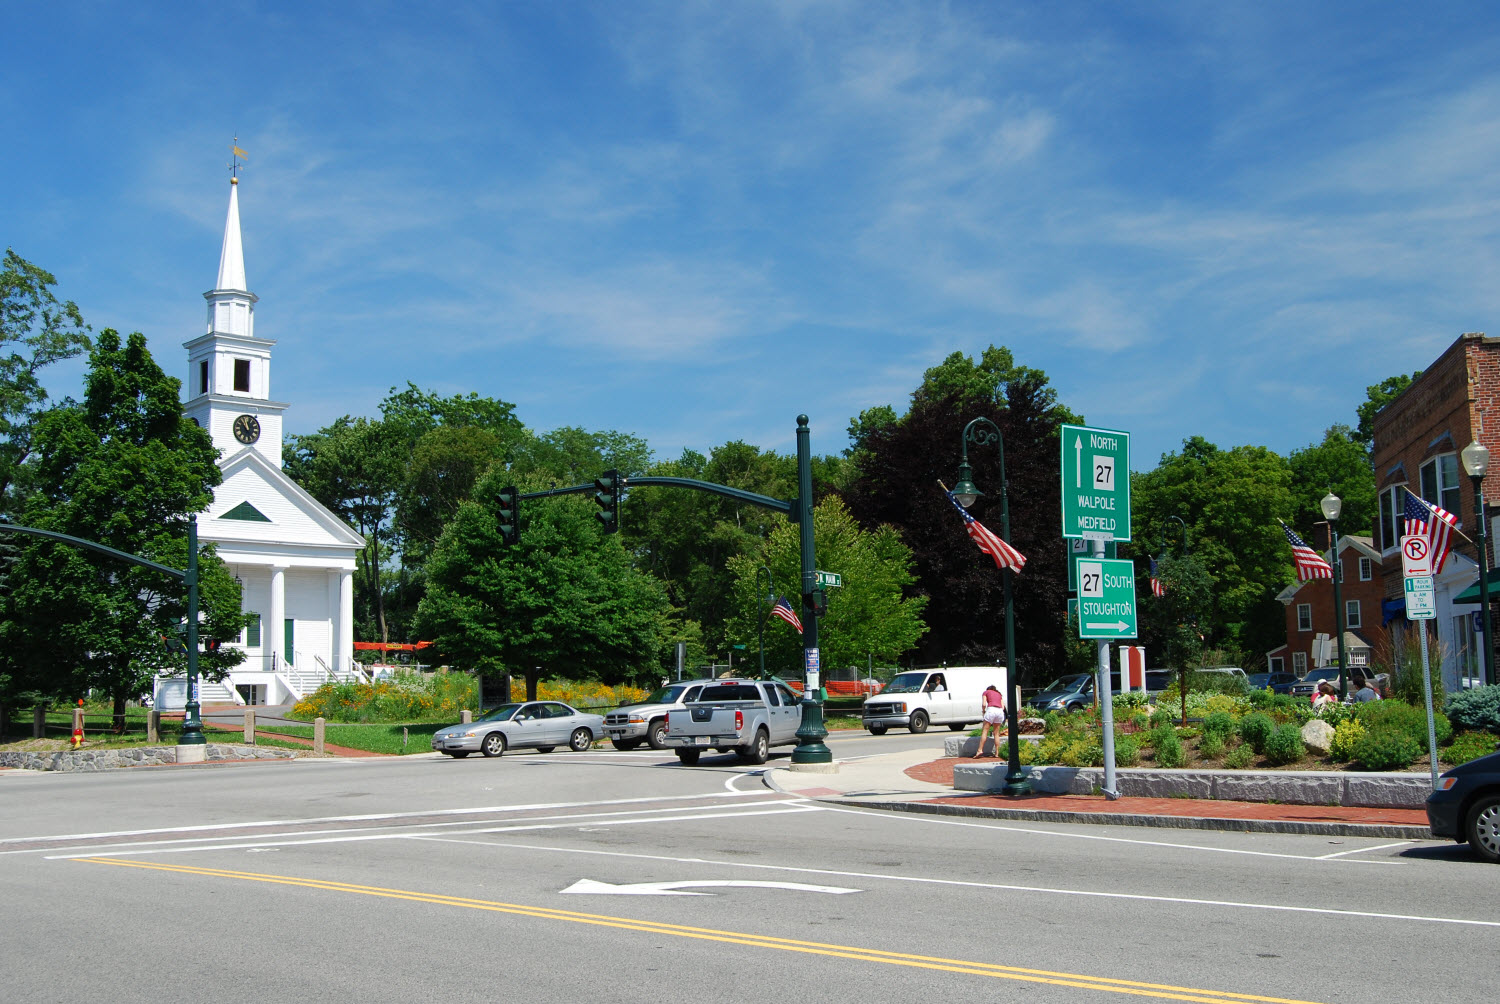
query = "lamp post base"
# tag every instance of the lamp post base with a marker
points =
(812, 768)
(810, 749)
(192, 754)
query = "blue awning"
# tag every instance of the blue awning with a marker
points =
(1391, 609)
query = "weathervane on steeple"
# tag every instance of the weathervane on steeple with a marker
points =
(236, 154)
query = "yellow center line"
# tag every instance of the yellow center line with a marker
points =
(1156, 990)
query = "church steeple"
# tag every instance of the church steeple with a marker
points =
(231, 307)
(232, 257)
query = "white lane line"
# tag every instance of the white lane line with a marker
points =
(729, 784)
(922, 880)
(357, 838)
(1363, 850)
(919, 818)
(376, 816)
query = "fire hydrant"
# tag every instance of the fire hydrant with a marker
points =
(78, 725)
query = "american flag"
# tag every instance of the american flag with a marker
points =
(784, 610)
(1157, 589)
(1310, 564)
(1005, 556)
(1420, 522)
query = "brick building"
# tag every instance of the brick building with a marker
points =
(1417, 441)
(1310, 611)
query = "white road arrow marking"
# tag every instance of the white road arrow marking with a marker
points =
(587, 886)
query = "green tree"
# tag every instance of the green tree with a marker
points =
(125, 469)
(1339, 464)
(870, 615)
(564, 600)
(36, 330)
(1377, 396)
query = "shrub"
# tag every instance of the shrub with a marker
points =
(1334, 714)
(1050, 748)
(1284, 746)
(1468, 746)
(1162, 716)
(1239, 758)
(1476, 709)
(1386, 747)
(1211, 746)
(1255, 729)
(1400, 715)
(1219, 723)
(1406, 676)
(1124, 703)
(1168, 749)
(1141, 719)
(1083, 752)
(1345, 735)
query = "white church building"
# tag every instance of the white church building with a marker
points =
(294, 559)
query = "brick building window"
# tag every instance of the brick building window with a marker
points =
(1299, 663)
(1366, 569)
(1304, 617)
(1276, 664)
(1440, 481)
(1392, 505)
(1351, 614)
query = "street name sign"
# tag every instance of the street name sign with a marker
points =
(829, 580)
(1106, 598)
(1095, 483)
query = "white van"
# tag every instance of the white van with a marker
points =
(918, 698)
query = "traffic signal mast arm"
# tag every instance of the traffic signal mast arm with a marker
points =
(780, 505)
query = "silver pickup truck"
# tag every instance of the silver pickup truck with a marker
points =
(746, 716)
(633, 724)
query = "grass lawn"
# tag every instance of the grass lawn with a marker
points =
(372, 738)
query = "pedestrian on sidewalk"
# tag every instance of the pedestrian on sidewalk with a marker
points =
(993, 703)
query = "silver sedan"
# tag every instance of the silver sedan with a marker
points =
(539, 725)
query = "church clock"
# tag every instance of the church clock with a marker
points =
(247, 429)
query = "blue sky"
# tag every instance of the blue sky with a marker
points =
(692, 221)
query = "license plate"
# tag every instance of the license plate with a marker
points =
(701, 741)
(616, 733)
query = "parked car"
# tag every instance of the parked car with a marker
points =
(951, 696)
(539, 725)
(646, 722)
(746, 716)
(1466, 806)
(1067, 693)
(1309, 683)
(1280, 683)
(1158, 680)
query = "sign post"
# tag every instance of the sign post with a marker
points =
(1421, 605)
(1095, 483)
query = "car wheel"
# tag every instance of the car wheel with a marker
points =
(457, 754)
(545, 749)
(493, 745)
(1483, 828)
(918, 722)
(688, 757)
(956, 727)
(657, 737)
(758, 751)
(877, 730)
(1075, 707)
(626, 745)
(580, 740)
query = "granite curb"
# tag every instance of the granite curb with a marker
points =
(75, 761)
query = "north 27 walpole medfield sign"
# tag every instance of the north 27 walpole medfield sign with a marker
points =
(1095, 483)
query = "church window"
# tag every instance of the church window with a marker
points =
(242, 375)
(252, 631)
(203, 377)
(247, 512)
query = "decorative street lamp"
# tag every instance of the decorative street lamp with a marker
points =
(1332, 506)
(1476, 461)
(766, 599)
(982, 432)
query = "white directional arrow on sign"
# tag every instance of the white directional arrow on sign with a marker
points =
(589, 886)
(1107, 625)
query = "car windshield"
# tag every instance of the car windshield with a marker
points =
(1259, 679)
(1064, 683)
(906, 683)
(666, 695)
(500, 714)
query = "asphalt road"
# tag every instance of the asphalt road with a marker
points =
(626, 877)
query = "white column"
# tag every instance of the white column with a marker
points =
(275, 624)
(346, 617)
(333, 621)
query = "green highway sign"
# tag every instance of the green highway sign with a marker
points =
(829, 580)
(1095, 483)
(1078, 548)
(1106, 598)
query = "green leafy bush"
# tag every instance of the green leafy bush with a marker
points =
(1334, 714)
(1162, 716)
(1386, 747)
(1049, 749)
(1127, 751)
(1239, 758)
(1083, 752)
(1211, 746)
(1468, 746)
(1256, 728)
(1345, 735)
(1168, 749)
(1477, 709)
(1406, 676)
(1124, 703)
(1219, 723)
(1400, 715)
(1284, 746)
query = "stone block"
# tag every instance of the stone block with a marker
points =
(1292, 789)
(979, 776)
(1317, 735)
(1386, 791)
(1164, 783)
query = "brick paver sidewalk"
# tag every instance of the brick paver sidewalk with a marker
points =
(941, 772)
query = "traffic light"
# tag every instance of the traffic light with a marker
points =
(819, 602)
(607, 498)
(210, 644)
(508, 514)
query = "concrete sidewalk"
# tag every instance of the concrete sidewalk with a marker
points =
(913, 781)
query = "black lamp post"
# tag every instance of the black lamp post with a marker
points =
(1476, 460)
(1332, 505)
(982, 432)
(766, 599)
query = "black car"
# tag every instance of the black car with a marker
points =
(1280, 683)
(1466, 806)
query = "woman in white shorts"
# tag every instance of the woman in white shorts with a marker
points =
(994, 717)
